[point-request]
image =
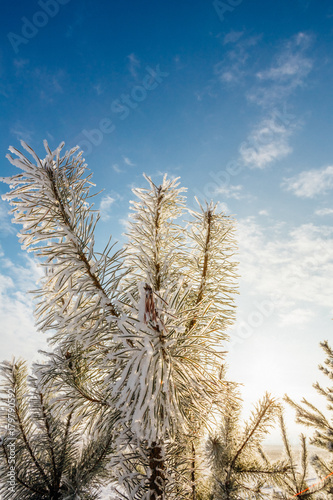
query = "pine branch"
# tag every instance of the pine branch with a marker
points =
(287, 449)
(304, 461)
(208, 220)
(60, 470)
(48, 431)
(18, 478)
(266, 410)
(308, 414)
(23, 433)
(50, 201)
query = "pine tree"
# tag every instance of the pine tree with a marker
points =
(239, 468)
(52, 455)
(138, 331)
(307, 414)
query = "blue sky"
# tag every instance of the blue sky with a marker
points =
(235, 98)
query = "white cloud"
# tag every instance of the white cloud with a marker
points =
(24, 276)
(310, 183)
(324, 211)
(298, 316)
(289, 67)
(267, 143)
(19, 337)
(233, 67)
(270, 139)
(21, 133)
(288, 71)
(125, 222)
(229, 73)
(291, 63)
(6, 227)
(50, 136)
(128, 162)
(232, 37)
(116, 168)
(230, 76)
(105, 207)
(230, 191)
(293, 269)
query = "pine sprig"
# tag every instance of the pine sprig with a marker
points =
(51, 201)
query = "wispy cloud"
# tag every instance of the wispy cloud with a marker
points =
(21, 133)
(231, 191)
(291, 63)
(232, 37)
(50, 136)
(290, 67)
(49, 83)
(233, 67)
(133, 65)
(5, 90)
(128, 162)
(105, 207)
(267, 143)
(310, 183)
(106, 204)
(288, 71)
(324, 211)
(6, 227)
(125, 222)
(298, 316)
(20, 63)
(98, 89)
(116, 168)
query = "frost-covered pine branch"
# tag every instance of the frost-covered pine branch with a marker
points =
(307, 414)
(139, 331)
(294, 482)
(238, 469)
(51, 455)
(50, 200)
